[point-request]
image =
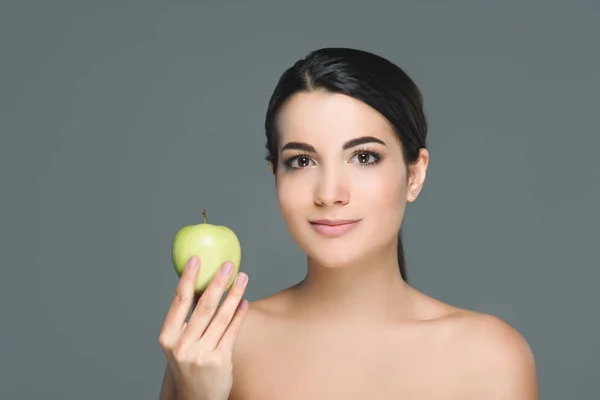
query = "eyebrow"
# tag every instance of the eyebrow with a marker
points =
(349, 144)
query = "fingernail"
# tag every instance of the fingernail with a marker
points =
(192, 262)
(227, 268)
(241, 279)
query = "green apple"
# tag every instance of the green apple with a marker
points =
(212, 244)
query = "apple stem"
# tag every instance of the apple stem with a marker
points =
(204, 215)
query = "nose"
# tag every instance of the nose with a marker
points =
(331, 189)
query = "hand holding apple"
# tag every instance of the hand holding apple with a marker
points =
(200, 352)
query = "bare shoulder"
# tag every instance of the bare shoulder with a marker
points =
(494, 359)
(498, 359)
(260, 316)
(253, 338)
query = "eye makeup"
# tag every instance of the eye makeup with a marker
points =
(301, 160)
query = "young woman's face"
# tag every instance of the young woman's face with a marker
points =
(340, 161)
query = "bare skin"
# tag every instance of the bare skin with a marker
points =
(444, 352)
(352, 328)
(288, 351)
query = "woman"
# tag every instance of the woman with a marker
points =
(346, 144)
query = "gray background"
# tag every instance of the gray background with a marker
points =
(121, 120)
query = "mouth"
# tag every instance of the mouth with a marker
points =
(334, 227)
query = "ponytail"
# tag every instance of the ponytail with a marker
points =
(401, 260)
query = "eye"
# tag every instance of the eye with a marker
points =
(300, 161)
(365, 157)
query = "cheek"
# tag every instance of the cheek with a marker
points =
(382, 199)
(383, 191)
(293, 194)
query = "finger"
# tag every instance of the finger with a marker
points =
(184, 294)
(207, 304)
(225, 313)
(231, 333)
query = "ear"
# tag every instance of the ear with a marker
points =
(271, 166)
(418, 171)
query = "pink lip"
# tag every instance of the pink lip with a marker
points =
(330, 227)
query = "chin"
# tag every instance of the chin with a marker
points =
(333, 256)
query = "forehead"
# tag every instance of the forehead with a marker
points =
(325, 117)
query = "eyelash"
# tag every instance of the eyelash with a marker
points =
(365, 151)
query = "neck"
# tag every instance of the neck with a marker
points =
(368, 289)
